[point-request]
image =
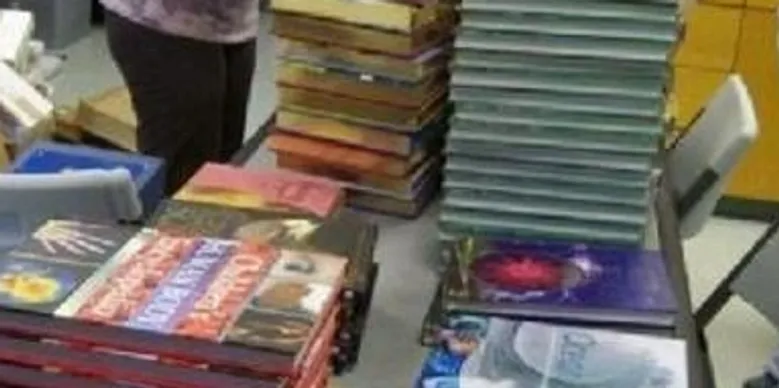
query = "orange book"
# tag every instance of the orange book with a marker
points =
(351, 159)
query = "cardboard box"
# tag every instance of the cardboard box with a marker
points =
(110, 116)
(16, 28)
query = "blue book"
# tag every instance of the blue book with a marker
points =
(499, 353)
(47, 157)
(565, 283)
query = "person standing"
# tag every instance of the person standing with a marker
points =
(188, 65)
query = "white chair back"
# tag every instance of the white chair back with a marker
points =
(702, 160)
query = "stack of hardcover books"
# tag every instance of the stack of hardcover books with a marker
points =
(290, 210)
(559, 115)
(363, 96)
(541, 314)
(271, 290)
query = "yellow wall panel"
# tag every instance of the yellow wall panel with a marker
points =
(765, 4)
(757, 176)
(693, 87)
(731, 3)
(710, 38)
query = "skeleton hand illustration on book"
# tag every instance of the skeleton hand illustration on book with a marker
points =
(65, 235)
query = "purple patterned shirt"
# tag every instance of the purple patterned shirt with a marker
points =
(222, 21)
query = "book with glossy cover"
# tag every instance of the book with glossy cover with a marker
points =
(560, 282)
(355, 37)
(331, 56)
(345, 157)
(262, 189)
(499, 353)
(55, 261)
(355, 134)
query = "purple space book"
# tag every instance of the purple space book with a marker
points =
(563, 283)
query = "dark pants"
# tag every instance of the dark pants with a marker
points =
(190, 96)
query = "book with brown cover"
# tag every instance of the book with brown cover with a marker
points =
(361, 85)
(385, 15)
(411, 69)
(344, 157)
(262, 189)
(293, 26)
(401, 206)
(362, 136)
(340, 105)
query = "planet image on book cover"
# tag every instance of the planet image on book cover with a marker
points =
(32, 285)
(518, 276)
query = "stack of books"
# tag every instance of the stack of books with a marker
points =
(363, 96)
(540, 314)
(268, 291)
(559, 117)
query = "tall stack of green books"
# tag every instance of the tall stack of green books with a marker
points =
(363, 96)
(559, 115)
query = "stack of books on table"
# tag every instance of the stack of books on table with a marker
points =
(363, 93)
(540, 314)
(258, 293)
(559, 117)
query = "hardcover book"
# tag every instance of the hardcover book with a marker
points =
(341, 105)
(377, 139)
(369, 182)
(463, 222)
(354, 37)
(56, 260)
(413, 69)
(386, 15)
(579, 284)
(409, 207)
(262, 189)
(342, 234)
(361, 85)
(582, 176)
(344, 157)
(513, 354)
(660, 11)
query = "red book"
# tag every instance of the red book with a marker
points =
(263, 189)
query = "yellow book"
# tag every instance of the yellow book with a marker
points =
(361, 38)
(388, 15)
(339, 106)
(361, 86)
(412, 69)
(710, 39)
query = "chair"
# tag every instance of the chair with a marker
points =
(702, 160)
(27, 200)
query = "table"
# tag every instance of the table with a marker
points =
(408, 252)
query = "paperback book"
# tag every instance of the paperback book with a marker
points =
(512, 354)
(579, 284)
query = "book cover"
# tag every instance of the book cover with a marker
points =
(359, 84)
(400, 206)
(344, 105)
(57, 259)
(355, 37)
(514, 354)
(413, 69)
(262, 189)
(562, 282)
(344, 157)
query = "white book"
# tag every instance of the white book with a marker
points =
(16, 28)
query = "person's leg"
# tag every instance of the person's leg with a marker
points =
(241, 60)
(178, 89)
